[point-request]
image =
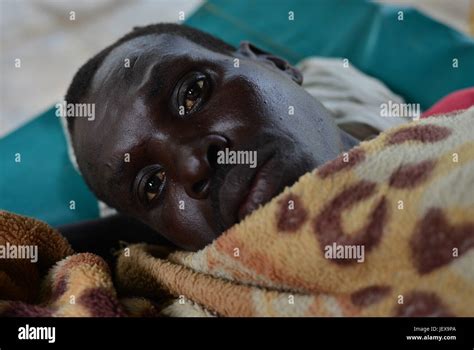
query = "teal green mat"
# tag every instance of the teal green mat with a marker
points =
(44, 182)
(413, 57)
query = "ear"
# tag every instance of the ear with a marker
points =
(249, 50)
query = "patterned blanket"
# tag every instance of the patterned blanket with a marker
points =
(384, 230)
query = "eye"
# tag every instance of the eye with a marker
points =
(151, 184)
(192, 92)
(154, 184)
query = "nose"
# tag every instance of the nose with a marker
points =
(197, 163)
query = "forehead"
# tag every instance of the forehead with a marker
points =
(128, 62)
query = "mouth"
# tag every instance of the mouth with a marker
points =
(261, 189)
(244, 189)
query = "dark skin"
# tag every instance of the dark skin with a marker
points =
(172, 182)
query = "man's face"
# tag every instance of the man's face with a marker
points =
(148, 159)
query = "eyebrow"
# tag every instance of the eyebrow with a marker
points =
(156, 76)
(118, 166)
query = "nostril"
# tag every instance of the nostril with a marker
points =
(212, 155)
(200, 186)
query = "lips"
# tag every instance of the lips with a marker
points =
(244, 189)
(261, 190)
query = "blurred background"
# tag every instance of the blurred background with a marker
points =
(52, 47)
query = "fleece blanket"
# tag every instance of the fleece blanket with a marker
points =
(386, 229)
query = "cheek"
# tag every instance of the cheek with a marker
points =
(244, 86)
(183, 221)
(259, 95)
(237, 109)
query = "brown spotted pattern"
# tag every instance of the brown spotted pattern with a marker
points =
(354, 157)
(20, 309)
(59, 288)
(422, 304)
(422, 133)
(433, 242)
(369, 295)
(328, 226)
(101, 303)
(290, 219)
(411, 175)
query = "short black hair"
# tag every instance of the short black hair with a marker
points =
(83, 77)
